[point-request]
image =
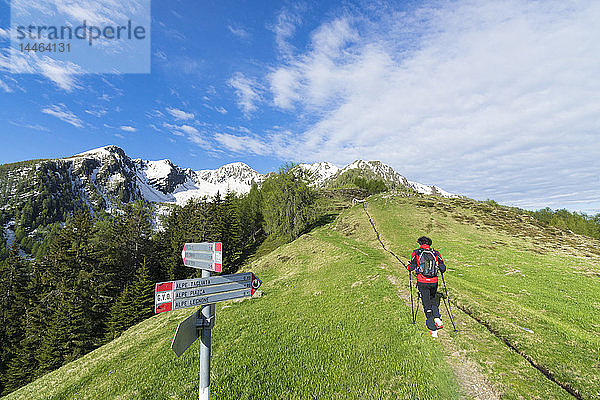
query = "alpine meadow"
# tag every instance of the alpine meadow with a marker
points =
(299, 200)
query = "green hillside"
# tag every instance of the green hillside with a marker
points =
(535, 287)
(333, 321)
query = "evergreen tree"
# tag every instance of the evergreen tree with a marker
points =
(121, 314)
(288, 203)
(142, 294)
(53, 349)
(251, 215)
(13, 298)
(231, 233)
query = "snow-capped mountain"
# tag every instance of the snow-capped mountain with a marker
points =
(320, 172)
(106, 177)
(376, 169)
(326, 173)
(379, 170)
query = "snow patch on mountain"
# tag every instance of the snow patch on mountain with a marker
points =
(103, 152)
(234, 175)
(378, 168)
(387, 173)
(430, 190)
(320, 171)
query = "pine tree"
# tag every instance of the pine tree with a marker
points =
(231, 233)
(53, 349)
(142, 294)
(13, 298)
(121, 314)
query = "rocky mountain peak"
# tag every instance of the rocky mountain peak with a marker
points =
(110, 150)
(236, 171)
(378, 170)
(320, 171)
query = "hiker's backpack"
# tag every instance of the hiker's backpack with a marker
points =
(427, 263)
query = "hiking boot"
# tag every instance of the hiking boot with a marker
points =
(438, 323)
(433, 334)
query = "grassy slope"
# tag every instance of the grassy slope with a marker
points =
(328, 325)
(513, 274)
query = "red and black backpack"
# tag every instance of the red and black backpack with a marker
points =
(427, 263)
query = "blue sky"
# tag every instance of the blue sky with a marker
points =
(496, 100)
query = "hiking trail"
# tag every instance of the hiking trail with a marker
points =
(470, 379)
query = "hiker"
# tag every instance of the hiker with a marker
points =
(427, 262)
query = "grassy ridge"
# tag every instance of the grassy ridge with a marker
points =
(513, 274)
(328, 325)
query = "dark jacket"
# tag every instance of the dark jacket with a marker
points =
(414, 264)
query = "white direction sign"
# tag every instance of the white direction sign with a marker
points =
(208, 256)
(201, 291)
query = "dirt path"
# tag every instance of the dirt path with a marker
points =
(472, 382)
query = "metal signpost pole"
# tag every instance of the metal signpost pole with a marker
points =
(204, 292)
(204, 386)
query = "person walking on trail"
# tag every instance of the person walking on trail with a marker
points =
(427, 262)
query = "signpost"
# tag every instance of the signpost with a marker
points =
(205, 292)
(205, 256)
(185, 293)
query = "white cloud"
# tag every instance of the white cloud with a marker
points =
(497, 100)
(154, 127)
(97, 112)
(154, 113)
(109, 12)
(221, 110)
(30, 126)
(242, 144)
(181, 130)
(5, 87)
(128, 128)
(4, 33)
(190, 132)
(173, 128)
(63, 74)
(160, 54)
(61, 112)
(179, 114)
(247, 92)
(239, 32)
(284, 28)
(188, 129)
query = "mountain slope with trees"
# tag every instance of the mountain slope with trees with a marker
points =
(97, 276)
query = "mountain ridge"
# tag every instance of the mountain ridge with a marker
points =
(106, 177)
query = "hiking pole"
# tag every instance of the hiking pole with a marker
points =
(448, 304)
(419, 300)
(412, 309)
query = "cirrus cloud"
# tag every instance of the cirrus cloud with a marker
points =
(180, 114)
(61, 112)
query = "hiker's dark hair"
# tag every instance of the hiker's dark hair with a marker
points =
(424, 240)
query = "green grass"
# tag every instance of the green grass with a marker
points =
(333, 320)
(511, 273)
(328, 325)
